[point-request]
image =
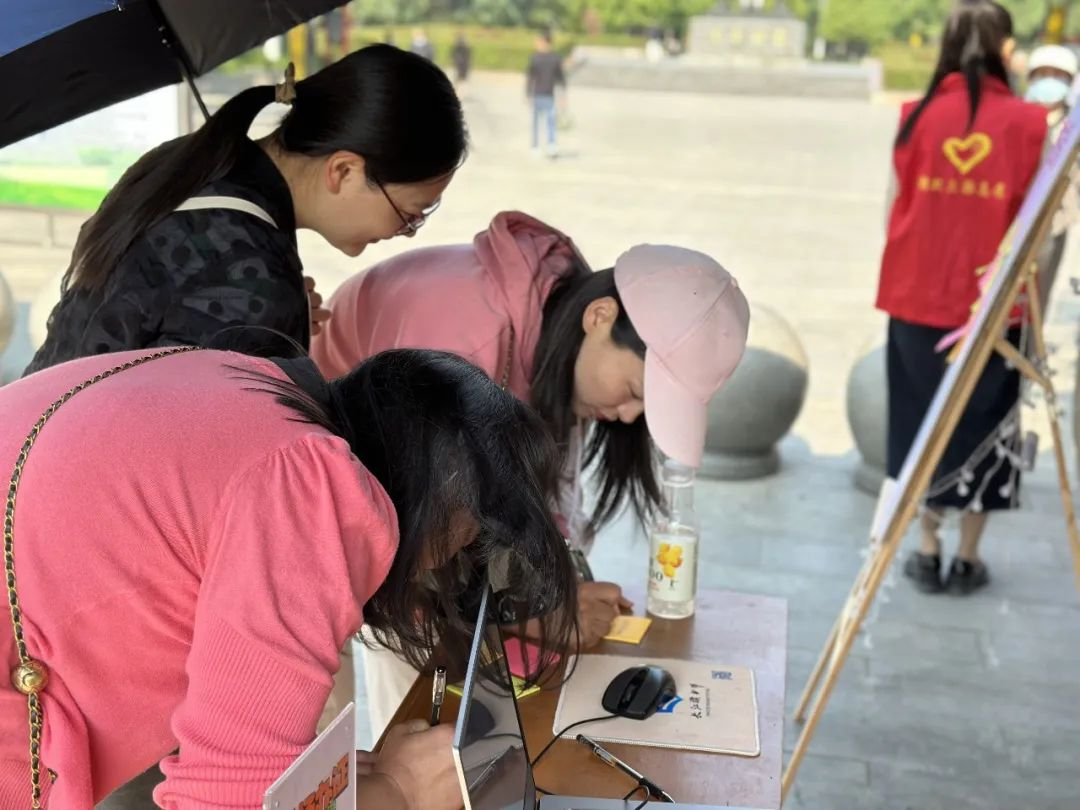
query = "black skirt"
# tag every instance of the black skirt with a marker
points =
(914, 371)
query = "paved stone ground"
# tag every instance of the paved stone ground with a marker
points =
(945, 703)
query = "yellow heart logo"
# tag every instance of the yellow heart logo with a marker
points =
(967, 153)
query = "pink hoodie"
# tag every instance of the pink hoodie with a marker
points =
(463, 299)
(190, 561)
(459, 298)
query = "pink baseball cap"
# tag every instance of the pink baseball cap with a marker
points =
(693, 319)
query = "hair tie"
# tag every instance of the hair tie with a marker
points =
(285, 93)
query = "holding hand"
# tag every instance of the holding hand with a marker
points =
(598, 605)
(319, 313)
(413, 771)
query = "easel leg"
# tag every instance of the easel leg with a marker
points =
(819, 667)
(842, 645)
(1035, 309)
(1066, 493)
(838, 647)
(866, 573)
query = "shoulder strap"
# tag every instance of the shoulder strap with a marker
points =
(231, 203)
(305, 374)
(31, 676)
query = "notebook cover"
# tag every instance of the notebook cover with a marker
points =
(715, 710)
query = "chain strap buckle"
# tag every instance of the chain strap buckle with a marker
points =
(31, 676)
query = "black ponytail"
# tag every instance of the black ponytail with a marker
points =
(395, 109)
(158, 182)
(974, 38)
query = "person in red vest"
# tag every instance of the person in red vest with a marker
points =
(963, 160)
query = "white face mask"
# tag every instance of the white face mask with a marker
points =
(1048, 91)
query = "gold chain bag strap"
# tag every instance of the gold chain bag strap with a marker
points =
(31, 676)
(504, 383)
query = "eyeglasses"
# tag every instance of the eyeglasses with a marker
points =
(410, 223)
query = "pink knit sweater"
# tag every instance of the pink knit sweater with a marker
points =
(190, 562)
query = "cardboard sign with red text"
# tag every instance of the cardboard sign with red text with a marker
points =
(323, 777)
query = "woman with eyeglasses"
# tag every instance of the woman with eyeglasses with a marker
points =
(612, 360)
(200, 233)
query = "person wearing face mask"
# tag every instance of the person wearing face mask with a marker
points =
(1051, 72)
(613, 361)
(199, 234)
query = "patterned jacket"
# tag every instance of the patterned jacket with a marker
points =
(193, 274)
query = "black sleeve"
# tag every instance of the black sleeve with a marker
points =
(247, 286)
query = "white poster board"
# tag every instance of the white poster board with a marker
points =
(324, 776)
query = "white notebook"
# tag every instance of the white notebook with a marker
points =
(715, 710)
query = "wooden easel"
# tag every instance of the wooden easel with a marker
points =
(900, 506)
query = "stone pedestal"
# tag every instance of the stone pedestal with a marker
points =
(759, 404)
(867, 414)
(7, 314)
(762, 36)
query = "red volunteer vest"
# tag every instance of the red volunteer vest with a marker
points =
(959, 190)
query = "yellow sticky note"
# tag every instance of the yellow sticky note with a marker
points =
(520, 690)
(628, 629)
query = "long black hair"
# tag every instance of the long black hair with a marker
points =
(974, 38)
(444, 440)
(395, 109)
(627, 460)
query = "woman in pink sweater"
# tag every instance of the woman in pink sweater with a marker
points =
(611, 360)
(195, 537)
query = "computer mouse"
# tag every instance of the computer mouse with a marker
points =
(638, 692)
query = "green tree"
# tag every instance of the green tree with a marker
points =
(1029, 16)
(497, 12)
(383, 12)
(868, 22)
(624, 15)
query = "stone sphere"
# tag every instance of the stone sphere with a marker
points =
(7, 314)
(867, 415)
(759, 404)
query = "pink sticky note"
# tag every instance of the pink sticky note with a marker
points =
(522, 656)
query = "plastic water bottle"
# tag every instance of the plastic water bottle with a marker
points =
(673, 553)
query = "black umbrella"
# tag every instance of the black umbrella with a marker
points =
(60, 59)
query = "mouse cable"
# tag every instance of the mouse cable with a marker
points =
(625, 798)
(630, 795)
(559, 734)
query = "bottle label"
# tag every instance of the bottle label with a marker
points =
(671, 569)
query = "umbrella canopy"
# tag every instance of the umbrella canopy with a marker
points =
(60, 59)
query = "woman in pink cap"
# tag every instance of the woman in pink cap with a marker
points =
(609, 360)
(192, 536)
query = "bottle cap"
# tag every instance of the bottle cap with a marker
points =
(677, 473)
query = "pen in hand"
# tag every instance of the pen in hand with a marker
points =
(438, 694)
